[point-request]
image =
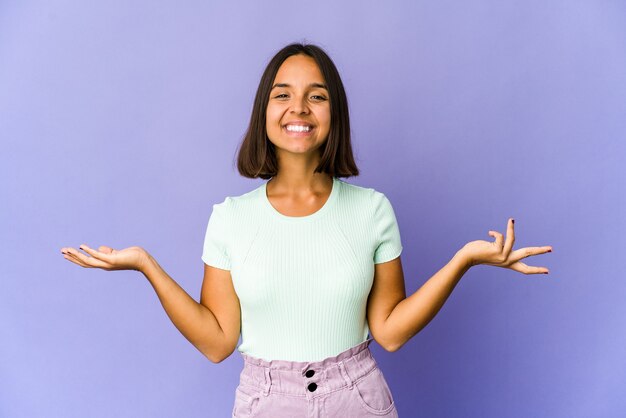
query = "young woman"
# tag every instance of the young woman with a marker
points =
(305, 266)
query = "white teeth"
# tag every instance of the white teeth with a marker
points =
(298, 128)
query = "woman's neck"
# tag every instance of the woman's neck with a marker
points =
(292, 184)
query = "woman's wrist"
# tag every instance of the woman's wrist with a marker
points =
(146, 263)
(464, 259)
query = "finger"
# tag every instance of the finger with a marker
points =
(87, 261)
(510, 238)
(105, 249)
(526, 269)
(499, 242)
(95, 253)
(529, 251)
(69, 257)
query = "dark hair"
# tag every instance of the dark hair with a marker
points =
(257, 155)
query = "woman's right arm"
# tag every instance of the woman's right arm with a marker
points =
(198, 322)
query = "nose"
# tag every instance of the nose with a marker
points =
(299, 105)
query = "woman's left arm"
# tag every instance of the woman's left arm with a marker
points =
(394, 323)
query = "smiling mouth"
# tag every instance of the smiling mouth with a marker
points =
(298, 128)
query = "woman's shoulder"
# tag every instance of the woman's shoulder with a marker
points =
(241, 201)
(358, 192)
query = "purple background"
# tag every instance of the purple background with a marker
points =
(119, 123)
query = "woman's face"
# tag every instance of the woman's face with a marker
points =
(298, 111)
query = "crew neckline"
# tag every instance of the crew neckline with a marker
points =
(329, 202)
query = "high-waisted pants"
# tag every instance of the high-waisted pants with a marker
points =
(349, 384)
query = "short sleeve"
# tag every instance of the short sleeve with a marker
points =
(215, 251)
(388, 242)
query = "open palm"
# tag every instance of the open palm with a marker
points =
(107, 258)
(500, 252)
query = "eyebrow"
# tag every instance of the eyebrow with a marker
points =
(318, 85)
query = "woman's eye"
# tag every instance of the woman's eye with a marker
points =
(315, 97)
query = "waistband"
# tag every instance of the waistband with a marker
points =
(309, 379)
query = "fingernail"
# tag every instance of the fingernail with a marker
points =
(513, 220)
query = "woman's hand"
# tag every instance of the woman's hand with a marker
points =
(499, 253)
(131, 258)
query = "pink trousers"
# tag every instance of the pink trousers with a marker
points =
(349, 384)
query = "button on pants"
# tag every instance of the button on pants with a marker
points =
(349, 384)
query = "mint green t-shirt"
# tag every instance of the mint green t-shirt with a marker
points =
(302, 282)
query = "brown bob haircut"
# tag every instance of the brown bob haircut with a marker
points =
(257, 155)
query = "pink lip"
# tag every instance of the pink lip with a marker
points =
(298, 123)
